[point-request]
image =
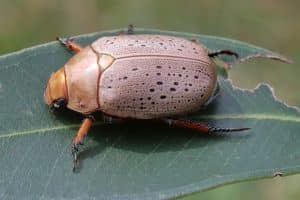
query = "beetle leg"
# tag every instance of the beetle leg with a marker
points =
(107, 119)
(215, 94)
(78, 140)
(221, 52)
(200, 127)
(129, 30)
(70, 44)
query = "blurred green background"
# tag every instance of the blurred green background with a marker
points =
(273, 24)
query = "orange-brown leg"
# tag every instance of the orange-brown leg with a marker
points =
(70, 44)
(200, 127)
(78, 140)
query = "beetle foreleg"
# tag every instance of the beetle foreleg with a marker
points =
(200, 127)
(78, 140)
(70, 44)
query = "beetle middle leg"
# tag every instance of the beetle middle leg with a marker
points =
(129, 31)
(198, 126)
(78, 140)
(216, 93)
(70, 44)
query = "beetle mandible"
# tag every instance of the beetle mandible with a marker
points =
(153, 77)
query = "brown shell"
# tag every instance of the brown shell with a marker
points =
(154, 76)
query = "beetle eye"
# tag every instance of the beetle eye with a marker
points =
(58, 103)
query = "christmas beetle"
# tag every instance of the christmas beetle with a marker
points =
(149, 77)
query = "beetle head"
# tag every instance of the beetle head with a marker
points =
(56, 91)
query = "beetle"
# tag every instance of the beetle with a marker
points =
(128, 76)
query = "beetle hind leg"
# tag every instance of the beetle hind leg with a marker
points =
(70, 44)
(79, 138)
(200, 127)
(223, 52)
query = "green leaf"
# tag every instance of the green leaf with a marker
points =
(137, 160)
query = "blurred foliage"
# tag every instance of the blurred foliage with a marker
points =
(273, 24)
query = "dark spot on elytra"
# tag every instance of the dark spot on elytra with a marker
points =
(134, 69)
(176, 83)
(149, 98)
(158, 74)
(163, 96)
(159, 83)
(158, 67)
(152, 102)
(172, 89)
(125, 77)
(151, 90)
(186, 89)
(196, 77)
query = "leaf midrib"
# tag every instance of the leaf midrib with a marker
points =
(261, 116)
